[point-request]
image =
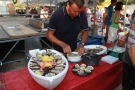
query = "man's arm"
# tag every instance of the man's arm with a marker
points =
(104, 19)
(80, 47)
(132, 53)
(84, 36)
(50, 36)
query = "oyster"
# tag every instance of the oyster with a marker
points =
(81, 72)
(77, 66)
(75, 70)
(59, 68)
(55, 71)
(49, 75)
(90, 67)
(83, 65)
(87, 70)
(73, 55)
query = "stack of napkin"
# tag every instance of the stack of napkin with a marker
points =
(109, 59)
(34, 51)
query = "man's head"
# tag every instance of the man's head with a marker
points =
(74, 7)
(45, 8)
(113, 2)
(119, 6)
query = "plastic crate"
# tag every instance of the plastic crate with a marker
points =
(100, 38)
(91, 41)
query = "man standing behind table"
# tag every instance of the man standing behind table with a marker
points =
(65, 25)
(107, 17)
(44, 12)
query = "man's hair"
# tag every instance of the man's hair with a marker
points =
(45, 7)
(113, 1)
(127, 15)
(118, 6)
(79, 3)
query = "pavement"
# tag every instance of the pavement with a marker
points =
(18, 51)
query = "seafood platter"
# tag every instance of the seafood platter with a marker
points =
(48, 68)
(82, 69)
(74, 57)
(95, 49)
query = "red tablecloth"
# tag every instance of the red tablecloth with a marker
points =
(104, 77)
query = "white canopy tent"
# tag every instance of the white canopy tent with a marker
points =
(33, 3)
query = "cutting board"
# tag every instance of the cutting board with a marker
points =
(16, 30)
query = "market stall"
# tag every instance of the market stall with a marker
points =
(104, 77)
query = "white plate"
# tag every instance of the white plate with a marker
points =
(94, 46)
(74, 59)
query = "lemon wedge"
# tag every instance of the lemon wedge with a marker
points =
(45, 58)
(39, 55)
(51, 57)
(47, 64)
(126, 32)
(38, 72)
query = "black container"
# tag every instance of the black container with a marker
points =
(91, 59)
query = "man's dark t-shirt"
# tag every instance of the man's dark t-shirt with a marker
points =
(67, 29)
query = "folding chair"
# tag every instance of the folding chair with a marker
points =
(30, 44)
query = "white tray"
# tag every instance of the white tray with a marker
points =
(94, 46)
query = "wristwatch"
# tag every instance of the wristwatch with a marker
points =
(81, 43)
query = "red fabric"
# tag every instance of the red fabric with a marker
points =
(103, 77)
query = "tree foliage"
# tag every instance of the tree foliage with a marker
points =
(129, 2)
(103, 3)
(14, 1)
(61, 4)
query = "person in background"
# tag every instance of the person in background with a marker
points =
(89, 14)
(44, 12)
(128, 77)
(98, 13)
(112, 33)
(127, 21)
(65, 25)
(39, 11)
(28, 12)
(107, 17)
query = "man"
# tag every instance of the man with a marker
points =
(44, 12)
(107, 17)
(65, 25)
(128, 79)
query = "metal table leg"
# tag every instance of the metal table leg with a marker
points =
(10, 50)
(45, 43)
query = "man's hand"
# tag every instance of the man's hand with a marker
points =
(80, 49)
(131, 52)
(66, 48)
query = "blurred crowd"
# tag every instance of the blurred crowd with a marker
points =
(35, 12)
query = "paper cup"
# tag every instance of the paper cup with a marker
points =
(121, 43)
(121, 33)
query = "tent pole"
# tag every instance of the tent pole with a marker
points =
(27, 4)
(56, 4)
(125, 14)
(93, 29)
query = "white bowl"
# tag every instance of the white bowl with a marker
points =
(74, 58)
(49, 82)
